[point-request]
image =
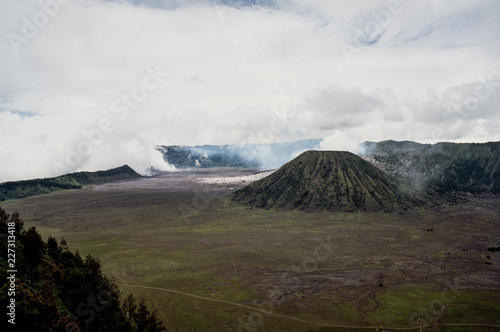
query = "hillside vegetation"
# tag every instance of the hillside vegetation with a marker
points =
(26, 188)
(57, 290)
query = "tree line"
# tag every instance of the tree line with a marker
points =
(58, 290)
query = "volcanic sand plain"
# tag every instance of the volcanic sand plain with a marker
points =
(210, 264)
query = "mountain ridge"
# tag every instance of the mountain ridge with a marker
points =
(443, 168)
(33, 187)
(266, 155)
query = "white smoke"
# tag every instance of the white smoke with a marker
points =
(342, 141)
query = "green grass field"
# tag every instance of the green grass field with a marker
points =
(231, 268)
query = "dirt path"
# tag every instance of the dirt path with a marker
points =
(435, 324)
(359, 306)
(438, 317)
(388, 329)
(289, 317)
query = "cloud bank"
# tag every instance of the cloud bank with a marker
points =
(94, 84)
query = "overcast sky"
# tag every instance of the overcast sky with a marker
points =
(93, 84)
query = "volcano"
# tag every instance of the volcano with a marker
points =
(327, 180)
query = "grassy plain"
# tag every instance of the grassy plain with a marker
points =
(227, 267)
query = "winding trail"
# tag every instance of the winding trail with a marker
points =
(298, 319)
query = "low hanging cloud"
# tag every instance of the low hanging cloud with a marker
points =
(78, 89)
(341, 141)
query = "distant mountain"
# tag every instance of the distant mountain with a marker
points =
(26, 188)
(391, 147)
(327, 180)
(267, 156)
(445, 168)
(204, 156)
